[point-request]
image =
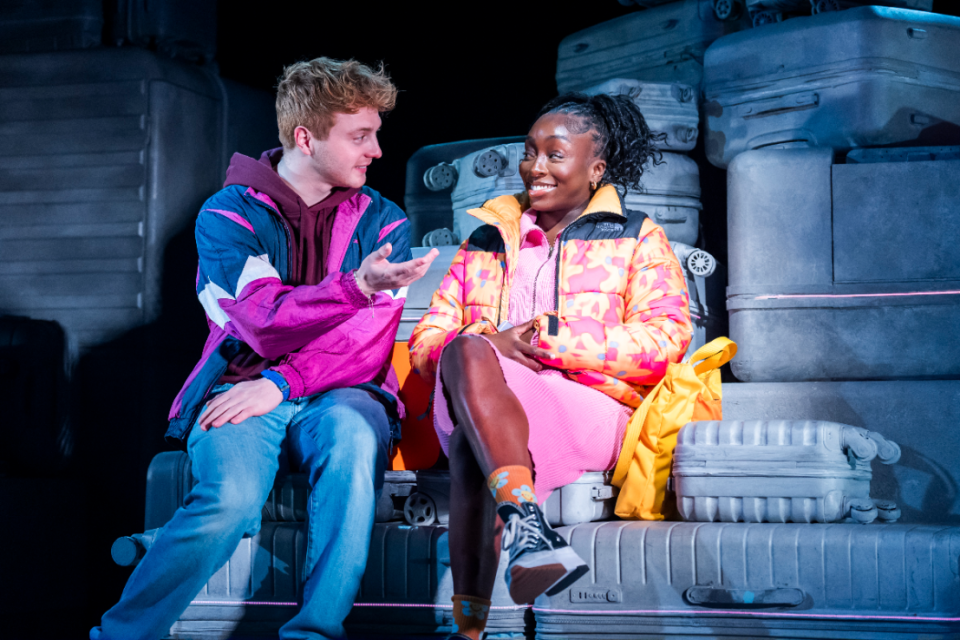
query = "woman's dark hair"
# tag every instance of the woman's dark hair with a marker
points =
(622, 136)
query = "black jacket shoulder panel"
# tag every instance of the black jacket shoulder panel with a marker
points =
(486, 238)
(606, 226)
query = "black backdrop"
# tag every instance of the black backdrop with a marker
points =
(464, 69)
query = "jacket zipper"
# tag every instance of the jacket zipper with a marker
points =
(536, 278)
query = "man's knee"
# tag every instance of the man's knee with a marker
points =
(231, 502)
(355, 424)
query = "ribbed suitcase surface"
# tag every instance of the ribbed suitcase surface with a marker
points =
(843, 295)
(405, 590)
(668, 579)
(662, 44)
(778, 471)
(170, 479)
(920, 415)
(427, 201)
(254, 593)
(871, 76)
(407, 587)
(669, 108)
(98, 170)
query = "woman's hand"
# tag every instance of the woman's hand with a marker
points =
(514, 343)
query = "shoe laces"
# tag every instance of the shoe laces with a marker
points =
(524, 532)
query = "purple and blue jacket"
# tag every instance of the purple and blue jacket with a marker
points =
(324, 336)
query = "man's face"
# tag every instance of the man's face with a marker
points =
(342, 159)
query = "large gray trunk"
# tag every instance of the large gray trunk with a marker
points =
(662, 44)
(842, 271)
(668, 579)
(869, 76)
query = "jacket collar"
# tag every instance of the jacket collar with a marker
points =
(505, 211)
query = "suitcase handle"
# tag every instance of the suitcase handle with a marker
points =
(744, 598)
(776, 106)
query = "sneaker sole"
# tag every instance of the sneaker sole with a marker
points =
(528, 582)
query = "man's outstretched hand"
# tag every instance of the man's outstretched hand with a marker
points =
(376, 273)
(241, 401)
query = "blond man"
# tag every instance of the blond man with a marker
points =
(301, 272)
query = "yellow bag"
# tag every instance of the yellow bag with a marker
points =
(688, 392)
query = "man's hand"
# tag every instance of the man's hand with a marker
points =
(244, 400)
(514, 343)
(376, 273)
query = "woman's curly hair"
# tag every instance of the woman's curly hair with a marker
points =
(623, 138)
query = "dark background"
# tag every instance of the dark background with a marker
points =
(465, 70)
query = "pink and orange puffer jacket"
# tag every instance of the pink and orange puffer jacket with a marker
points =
(621, 307)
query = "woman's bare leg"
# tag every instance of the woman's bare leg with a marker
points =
(488, 412)
(474, 527)
(492, 432)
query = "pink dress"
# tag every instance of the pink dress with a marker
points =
(573, 428)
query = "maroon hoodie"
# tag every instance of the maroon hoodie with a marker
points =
(309, 225)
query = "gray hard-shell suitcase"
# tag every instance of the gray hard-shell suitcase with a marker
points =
(420, 292)
(33, 26)
(481, 176)
(670, 196)
(178, 28)
(170, 479)
(405, 591)
(920, 415)
(779, 471)
(590, 498)
(662, 44)
(669, 108)
(872, 76)
(430, 178)
(842, 271)
(407, 588)
(100, 167)
(708, 580)
(706, 279)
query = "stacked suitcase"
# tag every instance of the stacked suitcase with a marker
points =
(841, 308)
(407, 586)
(670, 193)
(656, 56)
(843, 197)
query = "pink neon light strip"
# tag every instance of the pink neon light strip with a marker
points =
(246, 603)
(356, 604)
(859, 295)
(621, 612)
(432, 606)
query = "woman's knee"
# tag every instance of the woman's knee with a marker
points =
(465, 355)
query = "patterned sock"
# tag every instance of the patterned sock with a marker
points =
(512, 484)
(470, 614)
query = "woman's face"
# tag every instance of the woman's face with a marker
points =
(559, 164)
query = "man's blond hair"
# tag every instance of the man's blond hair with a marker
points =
(309, 94)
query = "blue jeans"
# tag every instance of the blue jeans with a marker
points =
(341, 439)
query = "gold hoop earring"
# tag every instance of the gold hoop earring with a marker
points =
(593, 185)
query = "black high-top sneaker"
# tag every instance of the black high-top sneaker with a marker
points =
(540, 559)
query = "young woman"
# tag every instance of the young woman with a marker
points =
(553, 321)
